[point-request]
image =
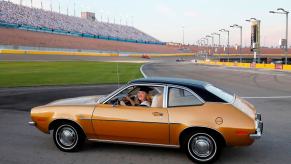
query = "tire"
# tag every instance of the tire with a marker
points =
(201, 146)
(68, 137)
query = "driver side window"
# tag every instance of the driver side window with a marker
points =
(140, 95)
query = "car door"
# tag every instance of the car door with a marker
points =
(184, 107)
(131, 123)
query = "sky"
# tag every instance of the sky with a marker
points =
(165, 19)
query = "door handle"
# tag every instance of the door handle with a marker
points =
(157, 114)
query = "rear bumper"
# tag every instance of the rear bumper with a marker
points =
(259, 127)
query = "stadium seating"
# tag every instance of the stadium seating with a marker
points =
(15, 37)
(46, 21)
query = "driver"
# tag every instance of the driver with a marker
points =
(143, 98)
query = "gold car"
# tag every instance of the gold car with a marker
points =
(193, 115)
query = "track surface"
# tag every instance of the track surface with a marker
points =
(269, 91)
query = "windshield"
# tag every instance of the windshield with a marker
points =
(220, 93)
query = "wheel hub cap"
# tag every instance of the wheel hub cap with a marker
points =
(67, 136)
(202, 146)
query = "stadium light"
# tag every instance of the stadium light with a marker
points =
(227, 31)
(206, 39)
(218, 41)
(218, 37)
(252, 19)
(183, 35)
(282, 11)
(212, 42)
(74, 8)
(201, 41)
(240, 47)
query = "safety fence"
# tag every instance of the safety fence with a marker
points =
(251, 55)
(70, 53)
(248, 65)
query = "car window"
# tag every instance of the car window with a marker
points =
(220, 93)
(154, 96)
(181, 97)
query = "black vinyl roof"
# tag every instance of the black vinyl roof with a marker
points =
(174, 81)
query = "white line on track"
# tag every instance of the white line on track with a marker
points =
(269, 97)
(144, 75)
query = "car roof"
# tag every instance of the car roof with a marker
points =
(174, 81)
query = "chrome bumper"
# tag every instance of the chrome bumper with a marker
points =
(32, 123)
(259, 127)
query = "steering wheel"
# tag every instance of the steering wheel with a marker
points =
(127, 102)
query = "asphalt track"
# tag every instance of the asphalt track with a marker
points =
(269, 91)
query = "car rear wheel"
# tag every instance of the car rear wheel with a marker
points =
(202, 147)
(68, 137)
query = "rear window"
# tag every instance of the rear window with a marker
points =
(220, 93)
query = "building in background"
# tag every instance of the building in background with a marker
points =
(88, 15)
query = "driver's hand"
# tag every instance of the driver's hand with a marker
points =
(127, 98)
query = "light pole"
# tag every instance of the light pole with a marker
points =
(227, 31)
(206, 39)
(183, 35)
(198, 43)
(212, 42)
(218, 42)
(218, 38)
(240, 47)
(282, 11)
(257, 45)
(202, 44)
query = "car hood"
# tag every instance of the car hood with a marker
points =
(86, 100)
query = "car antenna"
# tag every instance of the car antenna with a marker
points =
(117, 71)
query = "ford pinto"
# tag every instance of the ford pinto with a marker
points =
(194, 115)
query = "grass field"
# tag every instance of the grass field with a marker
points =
(17, 74)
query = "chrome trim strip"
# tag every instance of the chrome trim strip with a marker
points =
(32, 123)
(131, 121)
(85, 119)
(165, 98)
(135, 143)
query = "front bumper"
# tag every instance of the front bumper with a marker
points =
(259, 127)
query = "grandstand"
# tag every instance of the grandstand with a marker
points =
(15, 38)
(33, 19)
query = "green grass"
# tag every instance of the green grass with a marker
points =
(17, 74)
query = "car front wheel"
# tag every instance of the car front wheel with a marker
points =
(68, 137)
(202, 147)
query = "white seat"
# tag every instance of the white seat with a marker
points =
(157, 101)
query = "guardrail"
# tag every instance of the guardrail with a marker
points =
(70, 53)
(249, 65)
(247, 55)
